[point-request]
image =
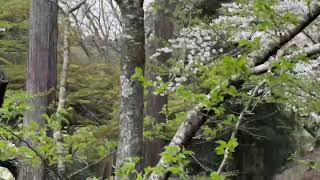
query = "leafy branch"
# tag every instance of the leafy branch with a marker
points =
(37, 153)
(239, 122)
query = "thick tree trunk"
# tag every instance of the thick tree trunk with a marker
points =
(41, 70)
(131, 105)
(163, 31)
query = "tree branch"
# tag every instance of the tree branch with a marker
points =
(262, 55)
(239, 122)
(28, 144)
(195, 118)
(309, 51)
(90, 165)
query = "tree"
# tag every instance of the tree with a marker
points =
(163, 30)
(58, 134)
(133, 57)
(228, 78)
(196, 117)
(41, 70)
(164, 27)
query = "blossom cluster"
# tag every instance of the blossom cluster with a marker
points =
(200, 45)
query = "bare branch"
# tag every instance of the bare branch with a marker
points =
(90, 165)
(81, 35)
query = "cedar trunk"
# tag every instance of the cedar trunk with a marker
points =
(41, 70)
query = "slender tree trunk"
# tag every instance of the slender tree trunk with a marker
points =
(58, 135)
(131, 105)
(163, 31)
(41, 70)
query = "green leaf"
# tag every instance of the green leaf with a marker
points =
(216, 176)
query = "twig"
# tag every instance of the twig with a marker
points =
(90, 165)
(312, 94)
(91, 114)
(237, 126)
(28, 144)
(203, 166)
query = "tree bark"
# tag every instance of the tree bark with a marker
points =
(41, 70)
(58, 135)
(131, 98)
(163, 31)
(195, 119)
(308, 51)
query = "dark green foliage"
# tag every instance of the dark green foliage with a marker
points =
(93, 91)
(13, 42)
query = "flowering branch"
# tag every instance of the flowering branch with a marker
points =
(195, 118)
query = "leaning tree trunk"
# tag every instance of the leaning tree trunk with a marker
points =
(163, 30)
(131, 105)
(41, 70)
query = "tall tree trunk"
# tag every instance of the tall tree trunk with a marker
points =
(41, 70)
(58, 135)
(131, 105)
(163, 31)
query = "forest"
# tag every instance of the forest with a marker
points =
(160, 89)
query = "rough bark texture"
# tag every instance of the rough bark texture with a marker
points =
(309, 51)
(41, 69)
(263, 55)
(163, 31)
(131, 105)
(195, 119)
